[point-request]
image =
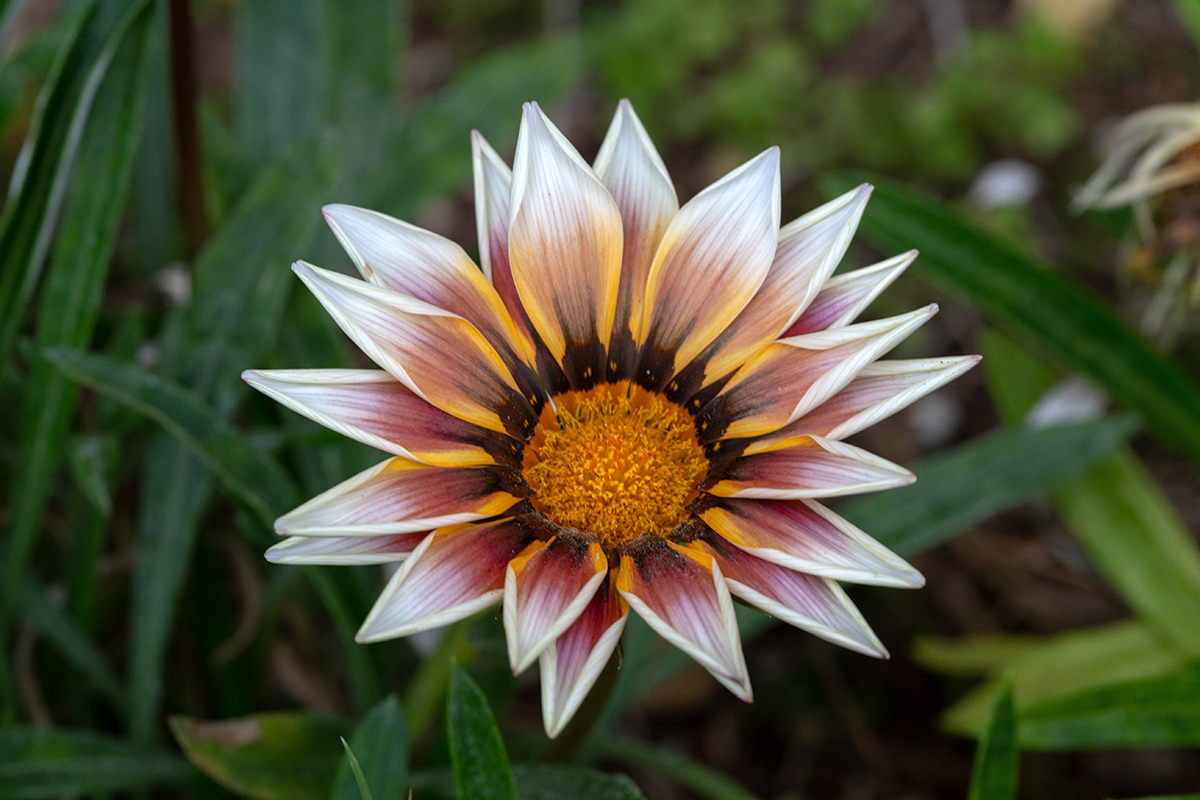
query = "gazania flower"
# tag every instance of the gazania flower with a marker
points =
(631, 405)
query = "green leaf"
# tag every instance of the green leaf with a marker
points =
(481, 770)
(1120, 516)
(1068, 663)
(283, 756)
(701, 780)
(1036, 305)
(995, 774)
(248, 474)
(554, 782)
(40, 176)
(75, 283)
(364, 791)
(240, 288)
(980, 479)
(71, 642)
(380, 744)
(974, 655)
(63, 763)
(1152, 712)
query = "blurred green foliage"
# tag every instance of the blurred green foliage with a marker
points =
(766, 72)
(140, 477)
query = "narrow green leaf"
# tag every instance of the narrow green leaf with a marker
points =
(381, 745)
(995, 774)
(283, 756)
(40, 176)
(240, 288)
(1068, 663)
(701, 780)
(248, 474)
(364, 791)
(1120, 516)
(75, 646)
(554, 782)
(278, 97)
(974, 655)
(1037, 305)
(1151, 712)
(62, 763)
(980, 479)
(481, 770)
(75, 282)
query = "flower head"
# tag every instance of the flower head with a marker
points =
(631, 405)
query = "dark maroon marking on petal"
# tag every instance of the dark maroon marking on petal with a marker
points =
(584, 364)
(655, 366)
(622, 356)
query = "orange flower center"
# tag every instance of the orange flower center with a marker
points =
(616, 461)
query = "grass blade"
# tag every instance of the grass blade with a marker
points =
(249, 474)
(1036, 305)
(994, 776)
(481, 770)
(364, 791)
(63, 763)
(74, 284)
(71, 642)
(241, 287)
(1152, 712)
(1062, 665)
(40, 177)
(1135, 537)
(382, 741)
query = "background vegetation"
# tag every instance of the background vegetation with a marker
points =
(167, 162)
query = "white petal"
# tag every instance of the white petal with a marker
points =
(454, 573)
(713, 258)
(564, 247)
(681, 594)
(546, 588)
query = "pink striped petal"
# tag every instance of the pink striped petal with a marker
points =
(564, 246)
(713, 257)
(454, 573)
(817, 605)
(345, 550)
(681, 594)
(808, 251)
(844, 297)
(807, 467)
(806, 536)
(880, 390)
(438, 355)
(790, 377)
(493, 184)
(634, 174)
(546, 588)
(572, 663)
(401, 496)
(431, 268)
(376, 409)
